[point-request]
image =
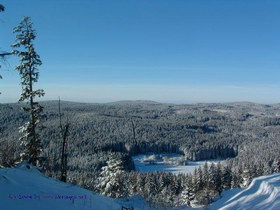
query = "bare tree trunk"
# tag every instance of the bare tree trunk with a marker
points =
(64, 129)
(32, 159)
(5, 54)
(133, 130)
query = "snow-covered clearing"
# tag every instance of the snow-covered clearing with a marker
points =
(221, 110)
(26, 189)
(159, 164)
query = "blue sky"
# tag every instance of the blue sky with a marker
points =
(181, 51)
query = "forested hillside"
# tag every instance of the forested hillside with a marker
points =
(245, 132)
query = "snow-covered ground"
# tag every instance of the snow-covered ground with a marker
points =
(27, 189)
(262, 194)
(160, 166)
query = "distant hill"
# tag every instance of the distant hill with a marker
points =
(134, 102)
(245, 133)
(201, 131)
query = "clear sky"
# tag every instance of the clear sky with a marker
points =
(181, 51)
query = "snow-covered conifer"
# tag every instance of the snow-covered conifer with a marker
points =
(29, 73)
(187, 194)
(246, 176)
(109, 182)
(226, 177)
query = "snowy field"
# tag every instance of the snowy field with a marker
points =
(159, 164)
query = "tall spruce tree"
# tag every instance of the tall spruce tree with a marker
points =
(29, 73)
(2, 8)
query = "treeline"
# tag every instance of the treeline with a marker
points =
(169, 190)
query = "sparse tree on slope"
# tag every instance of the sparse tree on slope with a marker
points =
(29, 73)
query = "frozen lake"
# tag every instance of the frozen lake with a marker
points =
(160, 165)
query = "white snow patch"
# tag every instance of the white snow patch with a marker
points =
(26, 188)
(262, 193)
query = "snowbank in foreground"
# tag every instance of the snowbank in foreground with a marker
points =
(262, 193)
(26, 189)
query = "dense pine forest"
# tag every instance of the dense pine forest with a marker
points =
(104, 137)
